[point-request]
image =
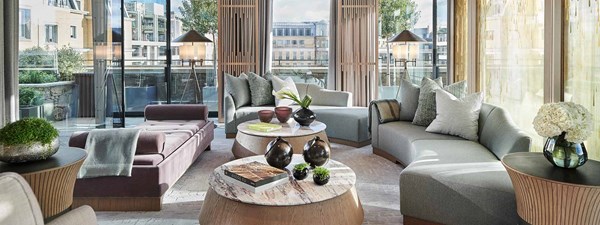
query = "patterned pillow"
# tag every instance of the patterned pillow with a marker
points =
(261, 90)
(238, 88)
(409, 98)
(426, 113)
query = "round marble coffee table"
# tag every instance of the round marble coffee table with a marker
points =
(250, 142)
(296, 202)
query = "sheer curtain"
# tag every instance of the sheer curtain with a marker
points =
(9, 47)
(581, 62)
(265, 54)
(356, 46)
(511, 58)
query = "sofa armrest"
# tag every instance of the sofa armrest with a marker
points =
(374, 126)
(83, 215)
(176, 112)
(149, 142)
(229, 114)
(332, 98)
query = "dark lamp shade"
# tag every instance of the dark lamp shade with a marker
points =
(407, 36)
(192, 36)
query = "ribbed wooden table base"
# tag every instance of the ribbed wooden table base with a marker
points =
(53, 188)
(345, 209)
(541, 201)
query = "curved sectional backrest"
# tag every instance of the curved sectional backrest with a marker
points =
(498, 132)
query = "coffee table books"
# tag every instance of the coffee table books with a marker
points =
(255, 176)
(264, 127)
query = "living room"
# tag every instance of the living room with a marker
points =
(299, 112)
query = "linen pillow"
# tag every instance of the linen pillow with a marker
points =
(457, 116)
(260, 90)
(409, 98)
(239, 89)
(279, 84)
(426, 109)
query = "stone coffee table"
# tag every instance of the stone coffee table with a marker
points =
(296, 202)
(250, 142)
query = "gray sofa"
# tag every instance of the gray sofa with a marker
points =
(345, 124)
(450, 180)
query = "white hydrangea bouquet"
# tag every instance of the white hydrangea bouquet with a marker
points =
(555, 118)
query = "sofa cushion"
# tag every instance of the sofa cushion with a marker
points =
(401, 134)
(426, 109)
(350, 124)
(170, 125)
(409, 100)
(174, 139)
(454, 177)
(148, 159)
(288, 84)
(239, 89)
(261, 90)
(457, 117)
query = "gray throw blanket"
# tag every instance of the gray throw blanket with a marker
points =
(110, 152)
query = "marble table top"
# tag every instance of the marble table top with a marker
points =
(294, 192)
(289, 129)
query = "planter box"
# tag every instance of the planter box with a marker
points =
(57, 97)
(31, 111)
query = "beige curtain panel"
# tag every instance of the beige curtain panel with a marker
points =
(356, 49)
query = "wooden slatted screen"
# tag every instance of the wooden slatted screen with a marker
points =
(357, 49)
(237, 41)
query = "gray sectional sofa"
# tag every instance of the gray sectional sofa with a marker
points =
(345, 124)
(450, 180)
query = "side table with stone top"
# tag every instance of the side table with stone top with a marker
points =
(299, 202)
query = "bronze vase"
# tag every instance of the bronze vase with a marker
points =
(316, 152)
(279, 153)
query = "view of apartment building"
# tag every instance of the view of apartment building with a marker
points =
(300, 44)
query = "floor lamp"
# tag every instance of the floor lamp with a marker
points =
(194, 50)
(403, 52)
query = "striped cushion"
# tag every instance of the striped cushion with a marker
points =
(387, 110)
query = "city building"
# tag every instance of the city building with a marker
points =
(300, 44)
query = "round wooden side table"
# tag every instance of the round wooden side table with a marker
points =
(52, 180)
(547, 194)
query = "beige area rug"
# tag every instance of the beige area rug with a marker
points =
(377, 186)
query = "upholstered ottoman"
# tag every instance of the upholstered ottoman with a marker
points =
(347, 126)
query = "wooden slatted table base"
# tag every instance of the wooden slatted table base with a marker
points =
(120, 204)
(345, 209)
(53, 188)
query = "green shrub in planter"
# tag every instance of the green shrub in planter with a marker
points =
(36, 77)
(28, 131)
(69, 61)
(30, 97)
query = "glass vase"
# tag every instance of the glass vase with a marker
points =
(563, 153)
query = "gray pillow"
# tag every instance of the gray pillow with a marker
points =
(426, 113)
(238, 88)
(458, 117)
(261, 90)
(409, 98)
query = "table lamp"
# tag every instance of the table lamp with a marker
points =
(193, 49)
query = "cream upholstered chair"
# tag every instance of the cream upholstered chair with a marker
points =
(18, 205)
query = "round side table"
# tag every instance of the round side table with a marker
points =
(250, 142)
(52, 180)
(547, 194)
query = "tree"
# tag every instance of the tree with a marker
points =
(394, 17)
(201, 16)
(69, 61)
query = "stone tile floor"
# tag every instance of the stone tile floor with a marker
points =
(377, 186)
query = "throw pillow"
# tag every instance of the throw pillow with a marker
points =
(457, 116)
(387, 110)
(238, 88)
(260, 90)
(409, 98)
(279, 84)
(426, 109)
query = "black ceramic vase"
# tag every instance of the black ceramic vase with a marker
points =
(316, 152)
(301, 174)
(304, 116)
(279, 153)
(320, 180)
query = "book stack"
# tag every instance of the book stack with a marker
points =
(255, 176)
(264, 127)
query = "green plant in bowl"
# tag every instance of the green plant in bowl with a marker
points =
(320, 175)
(28, 139)
(301, 171)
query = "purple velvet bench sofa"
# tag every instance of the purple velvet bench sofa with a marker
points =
(172, 138)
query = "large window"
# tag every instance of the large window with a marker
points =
(582, 57)
(427, 19)
(511, 58)
(25, 23)
(303, 25)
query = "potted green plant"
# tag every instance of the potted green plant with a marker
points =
(320, 175)
(29, 139)
(303, 115)
(301, 171)
(30, 103)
